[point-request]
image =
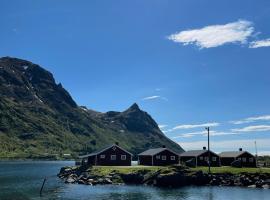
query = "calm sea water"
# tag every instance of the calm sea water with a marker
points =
(22, 181)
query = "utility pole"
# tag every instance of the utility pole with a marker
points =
(256, 155)
(208, 130)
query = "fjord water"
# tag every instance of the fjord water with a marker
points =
(21, 180)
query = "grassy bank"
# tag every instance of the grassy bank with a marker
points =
(232, 170)
(106, 170)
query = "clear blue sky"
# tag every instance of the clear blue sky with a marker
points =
(189, 63)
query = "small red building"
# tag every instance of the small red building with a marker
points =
(112, 155)
(245, 158)
(200, 157)
(158, 157)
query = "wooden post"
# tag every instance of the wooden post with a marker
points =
(208, 130)
(40, 191)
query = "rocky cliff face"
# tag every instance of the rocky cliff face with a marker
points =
(39, 118)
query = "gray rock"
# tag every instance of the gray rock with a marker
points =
(252, 186)
(70, 180)
(265, 186)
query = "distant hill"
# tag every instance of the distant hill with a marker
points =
(39, 118)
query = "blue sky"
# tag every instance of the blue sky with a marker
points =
(189, 63)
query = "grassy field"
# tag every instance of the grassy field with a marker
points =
(106, 170)
(232, 170)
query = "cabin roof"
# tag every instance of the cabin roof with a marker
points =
(152, 152)
(232, 154)
(102, 150)
(195, 153)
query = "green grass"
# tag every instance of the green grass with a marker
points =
(106, 170)
(232, 170)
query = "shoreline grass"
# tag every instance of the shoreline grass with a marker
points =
(232, 170)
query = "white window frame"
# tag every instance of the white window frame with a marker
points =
(113, 157)
(206, 159)
(173, 158)
(163, 157)
(123, 157)
(251, 160)
(214, 159)
(158, 157)
(244, 159)
(102, 156)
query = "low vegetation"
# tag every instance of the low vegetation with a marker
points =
(232, 170)
(106, 170)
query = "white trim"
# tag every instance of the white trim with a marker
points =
(113, 156)
(102, 156)
(123, 157)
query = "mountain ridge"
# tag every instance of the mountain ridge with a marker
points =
(39, 117)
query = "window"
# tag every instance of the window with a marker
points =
(157, 157)
(206, 158)
(201, 158)
(164, 157)
(239, 159)
(102, 156)
(214, 159)
(123, 157)
(244, 159)
(172, 157)
(251, 160)
(113, 157)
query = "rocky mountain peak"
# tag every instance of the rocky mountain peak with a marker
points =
(134, 106)
(38, 116)
(24, 81)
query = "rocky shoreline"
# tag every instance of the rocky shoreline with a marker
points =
(175, 176)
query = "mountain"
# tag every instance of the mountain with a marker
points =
(39, 118)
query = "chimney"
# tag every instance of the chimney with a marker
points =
(163, 146)
(204, 148)
(116, 143)
(240, 149)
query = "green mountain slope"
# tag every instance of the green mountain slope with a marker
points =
(38, 118)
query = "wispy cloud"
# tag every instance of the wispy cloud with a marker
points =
(190, 126)
(188, 135)
(215, 35)
(151, 98)
(260, 43)
(154, 97)
(161, 126)
(229, 145)
(203, 133)
(256, 128)
(252, 119)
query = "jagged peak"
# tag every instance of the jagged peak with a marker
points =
(134, 106)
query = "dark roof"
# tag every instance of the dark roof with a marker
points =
(101, 150)
(232, 154)
(152, 152)
(194, 153)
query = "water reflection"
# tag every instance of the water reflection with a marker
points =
(22, 181)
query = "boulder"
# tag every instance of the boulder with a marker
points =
(171, 180)
(70, 180)
(266, 186)
(252, 186)
(132, 178)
